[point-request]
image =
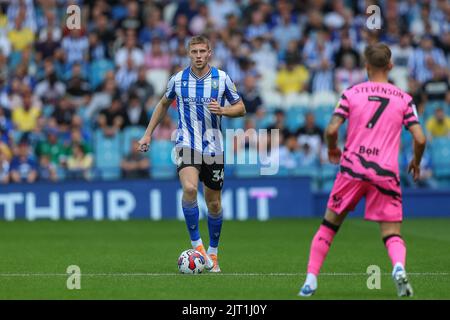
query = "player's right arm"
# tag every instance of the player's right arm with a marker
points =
(331, 132)
(157, 116)
(419, 148)
(331, 136)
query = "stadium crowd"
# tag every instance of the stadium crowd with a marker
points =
(289, 59)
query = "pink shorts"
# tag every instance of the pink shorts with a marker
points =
(383, 198)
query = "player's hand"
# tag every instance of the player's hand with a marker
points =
(334, 155)
(414, 168)
(144, 144)
(215, 108)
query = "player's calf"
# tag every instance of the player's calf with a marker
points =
(319, 249)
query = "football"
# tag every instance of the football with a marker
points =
(191, 262)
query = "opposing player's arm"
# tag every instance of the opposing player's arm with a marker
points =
(331, 137)
(419, 148)
(157, 116)
(411, 122)
(331, 132)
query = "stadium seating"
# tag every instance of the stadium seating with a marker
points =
(440, 154)
(328, 173)
(14, 59)
(161, 164)
(235, 123)
(323, 99)
(267, 81)
(27, 66)
(107, 155)
(295, 118)
(296, 100)
(311, 171)
(283, 172)
(247, 164)
(98, 69)
(128, 134)
(272, 99)
(323, 115)
(266, 121)
(430, 107)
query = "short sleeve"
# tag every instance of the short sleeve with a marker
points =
(410, 116)
(231, 93)
(170, 91)
(343, 106)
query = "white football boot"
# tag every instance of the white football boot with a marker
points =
(404, 288)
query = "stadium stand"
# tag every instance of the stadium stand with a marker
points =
(37, 51)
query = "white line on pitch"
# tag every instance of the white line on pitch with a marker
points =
(5, 275)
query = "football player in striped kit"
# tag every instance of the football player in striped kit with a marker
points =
(200, 92)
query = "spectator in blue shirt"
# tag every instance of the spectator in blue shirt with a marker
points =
(23, 166)
(6, 128)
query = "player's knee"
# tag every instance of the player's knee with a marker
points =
(388, 229)
(330, 225)
(214, 206)
(190, 191)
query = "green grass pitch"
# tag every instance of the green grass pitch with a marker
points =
(259, 260)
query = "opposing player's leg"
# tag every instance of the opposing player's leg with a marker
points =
(384, 205)
(343, 198)
(390, 233)
(215, 219)
(319, 249)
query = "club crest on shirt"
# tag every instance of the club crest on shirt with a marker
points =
(184, 83)
(215, 84)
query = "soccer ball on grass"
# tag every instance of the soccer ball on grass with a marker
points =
(191, 262)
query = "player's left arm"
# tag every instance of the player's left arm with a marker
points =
(234, 111)
(411, 122)
(237, 108)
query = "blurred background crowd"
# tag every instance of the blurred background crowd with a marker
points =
(73, 102)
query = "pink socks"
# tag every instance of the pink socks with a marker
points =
(319, 248)
(324, 237)
(396, 249)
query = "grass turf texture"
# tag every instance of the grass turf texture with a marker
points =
(137, 260)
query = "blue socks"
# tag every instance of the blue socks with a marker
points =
(191, 216)
(190, 210)
(214, 227)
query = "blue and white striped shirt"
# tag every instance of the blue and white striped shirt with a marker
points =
(198, 128)
(418, 66)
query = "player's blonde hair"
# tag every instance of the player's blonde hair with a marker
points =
(378, 55)
(199, 40)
